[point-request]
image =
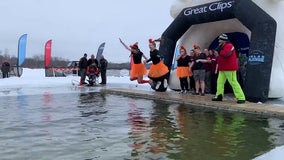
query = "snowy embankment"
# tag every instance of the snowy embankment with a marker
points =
(33, 81)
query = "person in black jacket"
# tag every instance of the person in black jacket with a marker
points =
(103, 68)
(83, 65)
(5, 69)
(93, 60)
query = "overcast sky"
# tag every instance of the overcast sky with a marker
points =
(78, 26)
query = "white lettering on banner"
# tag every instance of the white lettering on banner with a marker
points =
(191, 11)
(256, 57)
(213, 7)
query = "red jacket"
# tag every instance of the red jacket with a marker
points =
(92, 69)
(227, 59)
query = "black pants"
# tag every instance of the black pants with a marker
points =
(5, 74)
(183, 84)
(103, 76)
(192, 83)
(83, 74)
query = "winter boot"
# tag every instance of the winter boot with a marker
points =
(218, 98)
(241, 101)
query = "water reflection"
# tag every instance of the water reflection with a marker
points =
(228, 133)
(139, 129)
(91, 103)
(92, 125)
(183, 132)
(162, 131)
(276, 129)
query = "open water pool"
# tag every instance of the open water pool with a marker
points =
(93, 125)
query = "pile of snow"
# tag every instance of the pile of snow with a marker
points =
(34, 82)
(36, 78)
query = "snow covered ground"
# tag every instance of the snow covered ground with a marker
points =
(36, 78)
(33, 81)
(275, 154)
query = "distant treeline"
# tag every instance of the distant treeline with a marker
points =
(38, 62)
(34, 62)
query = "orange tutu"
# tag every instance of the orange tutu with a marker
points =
(158, 70)
(138, 70)
(183, 72)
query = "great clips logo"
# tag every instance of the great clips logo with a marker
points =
(212, 7)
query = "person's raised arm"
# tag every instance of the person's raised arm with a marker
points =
(126, 47)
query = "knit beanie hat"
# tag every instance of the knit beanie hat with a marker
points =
(223, 37)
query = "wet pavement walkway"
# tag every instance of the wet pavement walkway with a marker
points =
(228, 103)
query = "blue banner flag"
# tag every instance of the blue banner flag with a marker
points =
(22, 45)
(100, 52)
(176, 55)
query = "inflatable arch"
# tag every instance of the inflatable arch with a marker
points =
(262, 39)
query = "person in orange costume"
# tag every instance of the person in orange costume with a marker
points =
(183, 63)
(158, 71)
(138, 70)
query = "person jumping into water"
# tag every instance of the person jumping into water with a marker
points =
(158, 71)
(138, 69)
